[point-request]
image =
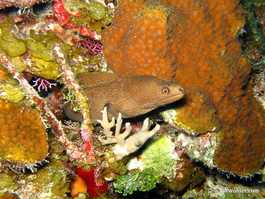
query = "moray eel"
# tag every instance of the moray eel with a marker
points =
(131, 96)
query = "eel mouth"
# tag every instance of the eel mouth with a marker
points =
(171, 99)
(168, 100)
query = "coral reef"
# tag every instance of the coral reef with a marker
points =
(259, 86)
(22, 144)
(123, 145)
(190, 44)
(222, 190)
(82, 154)
(43, 47)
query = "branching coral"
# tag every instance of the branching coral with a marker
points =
(124, 146)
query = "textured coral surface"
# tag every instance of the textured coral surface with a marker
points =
(195, 43)
(23, 136)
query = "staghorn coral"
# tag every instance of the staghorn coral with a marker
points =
(123, 145)
(22, 144)
(195, 43)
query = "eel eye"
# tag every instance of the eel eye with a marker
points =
(165, 90)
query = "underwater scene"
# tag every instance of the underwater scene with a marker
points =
(126, 99)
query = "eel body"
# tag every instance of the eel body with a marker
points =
(131, 96)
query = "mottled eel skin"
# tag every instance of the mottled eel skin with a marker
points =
(131, 96)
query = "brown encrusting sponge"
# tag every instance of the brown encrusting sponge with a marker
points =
(23, 136)
(195, 43)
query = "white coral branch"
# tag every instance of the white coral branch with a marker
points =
(123, 146)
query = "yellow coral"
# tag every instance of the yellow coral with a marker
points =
(23, 136)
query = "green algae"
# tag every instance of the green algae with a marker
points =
(9, 88)
(41, 46)
(51, 180)
(11, 92)
(7, 182)
(33, 53)
(9, 44)
(155, 162)
(97, 10)
(98, 25)
(160, 156)
(94, 15)
(137, 181)
(38, 46)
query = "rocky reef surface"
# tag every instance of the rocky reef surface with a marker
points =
(210, 144)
